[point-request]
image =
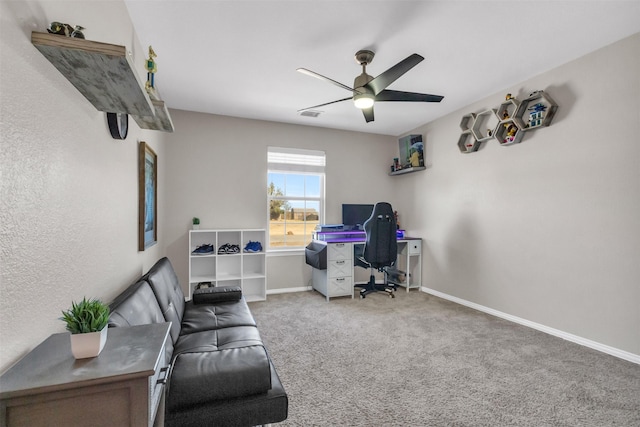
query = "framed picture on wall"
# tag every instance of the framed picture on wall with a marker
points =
(148, 197)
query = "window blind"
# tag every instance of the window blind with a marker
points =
(295, 160)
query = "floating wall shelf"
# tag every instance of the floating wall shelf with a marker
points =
(104, 74)
(407, 170)
(161, 120)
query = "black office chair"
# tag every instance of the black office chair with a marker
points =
(380, 249)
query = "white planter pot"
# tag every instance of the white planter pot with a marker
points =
(89, 344)
(196, 226)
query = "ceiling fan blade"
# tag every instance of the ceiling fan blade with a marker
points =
(326, 103)
(381, 82)
(396, 95)
(368, 114)
(321, 77)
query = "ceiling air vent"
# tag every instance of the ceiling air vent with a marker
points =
(310, 113)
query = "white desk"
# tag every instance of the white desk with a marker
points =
(340, 276)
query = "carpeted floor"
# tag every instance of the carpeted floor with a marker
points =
(418, 360)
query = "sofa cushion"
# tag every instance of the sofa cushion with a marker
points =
(220, 339)
(137, 305)
(201, 377)
(165, 285)
(202, 317)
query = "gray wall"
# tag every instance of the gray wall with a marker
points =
(69, 195)
(547, 230)
(218, 172)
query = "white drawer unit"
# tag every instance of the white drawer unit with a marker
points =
(340, 276)
(337, 279)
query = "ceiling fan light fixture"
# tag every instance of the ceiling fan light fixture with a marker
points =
(363, 100)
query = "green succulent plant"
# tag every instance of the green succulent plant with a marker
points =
(196, 221)
(86, 316)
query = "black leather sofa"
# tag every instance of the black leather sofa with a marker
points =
(220, 371)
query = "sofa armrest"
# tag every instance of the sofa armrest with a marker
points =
(201, 377)
(217, 294)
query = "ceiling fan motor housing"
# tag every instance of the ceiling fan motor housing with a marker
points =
(364, 57)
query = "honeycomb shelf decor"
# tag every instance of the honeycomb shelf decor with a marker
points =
(507, 123)
(507, 109)
(468, 143)
(508, 132)
(536, 111)
(467, 122)
(484, 125)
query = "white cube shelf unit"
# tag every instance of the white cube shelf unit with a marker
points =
(245, 269)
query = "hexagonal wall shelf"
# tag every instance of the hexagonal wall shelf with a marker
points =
(467, 122)
(507, 109)
(484, 125)
(536, 111)
(508, 132)
(467, 143)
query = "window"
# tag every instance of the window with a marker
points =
(295, 192)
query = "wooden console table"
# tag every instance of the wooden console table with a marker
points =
(122, 386)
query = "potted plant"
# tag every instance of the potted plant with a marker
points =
(196, 223)
(87, 321)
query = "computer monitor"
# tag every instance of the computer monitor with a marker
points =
(353, 216)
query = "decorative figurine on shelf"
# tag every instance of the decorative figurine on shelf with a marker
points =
(151, 68)
(77, 32)
(60, 29)
(508, 97)
(505, 114)
(66, 30)
(511, 133)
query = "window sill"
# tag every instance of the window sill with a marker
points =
(285, 252)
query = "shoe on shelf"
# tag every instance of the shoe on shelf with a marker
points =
(253, 247)
(206, 249)
(228, 248)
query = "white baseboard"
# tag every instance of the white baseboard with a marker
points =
(288, 290)
(634, 358)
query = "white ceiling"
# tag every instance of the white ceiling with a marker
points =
(239, 57)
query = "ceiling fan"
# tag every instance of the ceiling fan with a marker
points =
(367, 89)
